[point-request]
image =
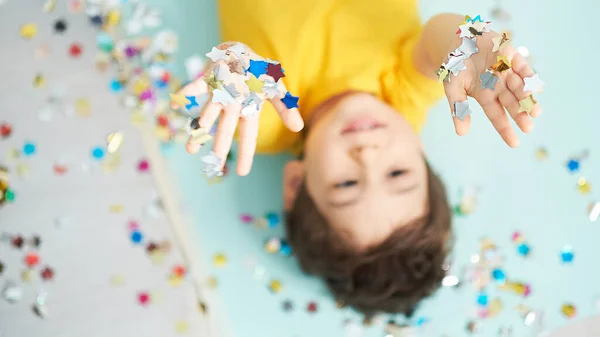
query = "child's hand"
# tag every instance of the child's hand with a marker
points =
(498, 78)
(236, 94)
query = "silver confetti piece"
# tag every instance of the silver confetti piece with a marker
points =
(12, 293)
(461, 110)
(271, 89)
(488, 80)
(251, 105)
(456, 64)
(468, 47)
(230, 88)
(212, 165)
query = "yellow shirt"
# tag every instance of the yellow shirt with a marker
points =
(331, 46)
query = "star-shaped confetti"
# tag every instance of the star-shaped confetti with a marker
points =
(230, 88)
(456, 64)
(238, 49)
(47, 274)
(200, 136)
(222, 96)
(290, 100)
(527, 104)
(468, 47)
(254, 84)
(180, 100)
(500, 41)
(258, 68)
(212, 165)
(275, 71)
(192, 102)
(488, 80)
(251, 105)
(533, 83)
(502, 64)
(461, 110)
(443, 74)
(217, 54)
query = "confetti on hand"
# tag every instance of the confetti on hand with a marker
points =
(487, 67)
(238, 83)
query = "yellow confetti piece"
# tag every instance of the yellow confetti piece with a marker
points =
(162, 133)
(113, 17)
(541, 154)
(23, 170)
(39, 81)
(117, 280)
(583, 186)
(200, 136)
(137, 117)
(276, 286)
(28, 31)
(181, 327)
(116, 208)
(212, 282)
(27, 275)
(180, 100)
(254, 84)
(83, 107)
(114, 141)
(156, 297)
(502, 64)
(13, 154)
(261, 222)
(175, 281)
(49, 6)
(140, 86)
(157, 257)
(527, 104)
(443, 74)
(111, 162)
(220, 260)
(568, 310)
(495, 307)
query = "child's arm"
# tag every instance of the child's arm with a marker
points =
(479, 63)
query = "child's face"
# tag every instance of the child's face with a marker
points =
(365, 169)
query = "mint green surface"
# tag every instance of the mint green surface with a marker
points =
(517, 192)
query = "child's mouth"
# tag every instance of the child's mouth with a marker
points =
(361, 125)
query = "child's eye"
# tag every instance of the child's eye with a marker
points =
(345, 184)
(397, 173)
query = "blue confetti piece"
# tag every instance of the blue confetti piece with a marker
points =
(566, 254)
(272, 219)
(421, 321)
(192, 103)
(98, 152)
(105, 42)
(136, 237)
(116, 86)
(28, 149)
(284, 248)
(96, 20)
(499, 276)
(482, 299)
(523, 249)
(573, 165)
(161, 84)
(290, 101)
(258, 68)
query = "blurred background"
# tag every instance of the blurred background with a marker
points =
(107, 227)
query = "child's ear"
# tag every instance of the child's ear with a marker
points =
(293, 174)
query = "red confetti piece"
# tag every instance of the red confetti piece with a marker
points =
(143, 165)
(47, 274)
(163, 120)
(312, 307)
(32, 259)
(517, 236)
(165, 77)
(17, 241)
(144, 298)
(75, 50)
(5, 130)
(60, 169)
(179, 270)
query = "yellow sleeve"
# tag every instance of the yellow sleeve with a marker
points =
(405, 88)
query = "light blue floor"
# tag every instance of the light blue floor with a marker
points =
(518, 192)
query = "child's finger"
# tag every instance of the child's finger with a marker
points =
(511, 103)
(496, 114)
(457, 94)
(209, 114)
(226, 130)
(197, 87)
(290, 117)
(521, 66)
(248, 137)
(516, 84)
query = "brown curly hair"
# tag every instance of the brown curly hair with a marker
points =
(393, 276)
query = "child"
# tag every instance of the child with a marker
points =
(365, 211)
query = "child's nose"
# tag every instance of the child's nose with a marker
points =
(364, 155)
